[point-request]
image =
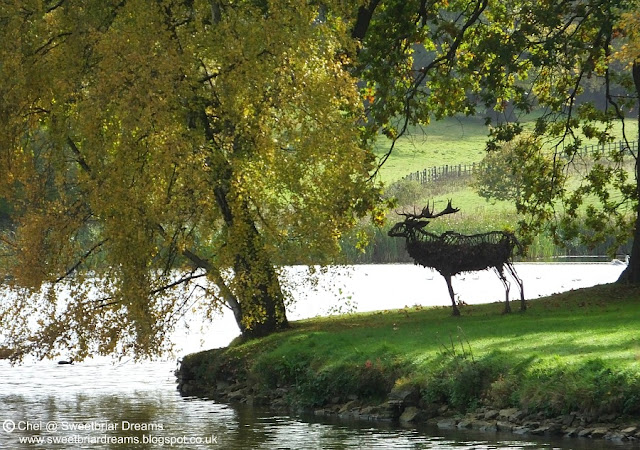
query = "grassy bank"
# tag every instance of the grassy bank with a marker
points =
(571, 352)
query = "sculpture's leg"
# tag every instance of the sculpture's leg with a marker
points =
(512, 271)
(456, 311)
(507, 287)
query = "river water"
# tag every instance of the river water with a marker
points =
(104, 404)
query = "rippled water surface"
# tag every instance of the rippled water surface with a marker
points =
(102, 404)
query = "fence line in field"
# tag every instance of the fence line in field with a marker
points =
(442, 172)
(449, 171)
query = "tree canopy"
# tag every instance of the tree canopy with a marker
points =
(146, 145)
(572, 64)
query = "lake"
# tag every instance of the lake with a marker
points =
(100, 403)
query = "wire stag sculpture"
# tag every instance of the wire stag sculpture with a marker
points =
(452, 253)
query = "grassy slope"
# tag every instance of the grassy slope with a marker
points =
(576, 351)
(452, 141)
(553, 326)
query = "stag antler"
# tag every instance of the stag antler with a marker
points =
(428, 212)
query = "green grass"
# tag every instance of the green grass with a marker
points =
(598, 323)
(576, 351)
(451, 141)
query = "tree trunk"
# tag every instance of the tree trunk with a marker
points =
(259, 302)
(258, 287)
(631, 274)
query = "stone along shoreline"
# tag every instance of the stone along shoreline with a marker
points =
(404, 406)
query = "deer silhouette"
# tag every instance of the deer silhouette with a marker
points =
(452, 253)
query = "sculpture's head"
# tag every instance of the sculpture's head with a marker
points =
(414, 222)
(407, 227)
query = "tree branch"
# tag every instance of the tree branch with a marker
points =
(177, 283)
(365, 13)
(80, 261)
(47, 46)
(80, 159)
(55, 6)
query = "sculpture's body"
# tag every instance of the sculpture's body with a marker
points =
(451, 253)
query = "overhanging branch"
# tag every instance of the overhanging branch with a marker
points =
(422, 75)
(82, 259)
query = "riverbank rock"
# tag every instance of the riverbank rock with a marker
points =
(349, 409)
(491, 414)
(512, 414)
(599, 432)
(484, 425)
(504, 426)
(551, 429)
(391, 409)
(408, 395)
(410, 414)
(447, 424)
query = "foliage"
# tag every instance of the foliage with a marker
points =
(441, 59)
(628, 28)
(525, 173)
(504, 59)
(582, 90)
(176, 151)
(406, 192)
(460, 382)
(314, 384)
(502, 172)
(569, 60)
